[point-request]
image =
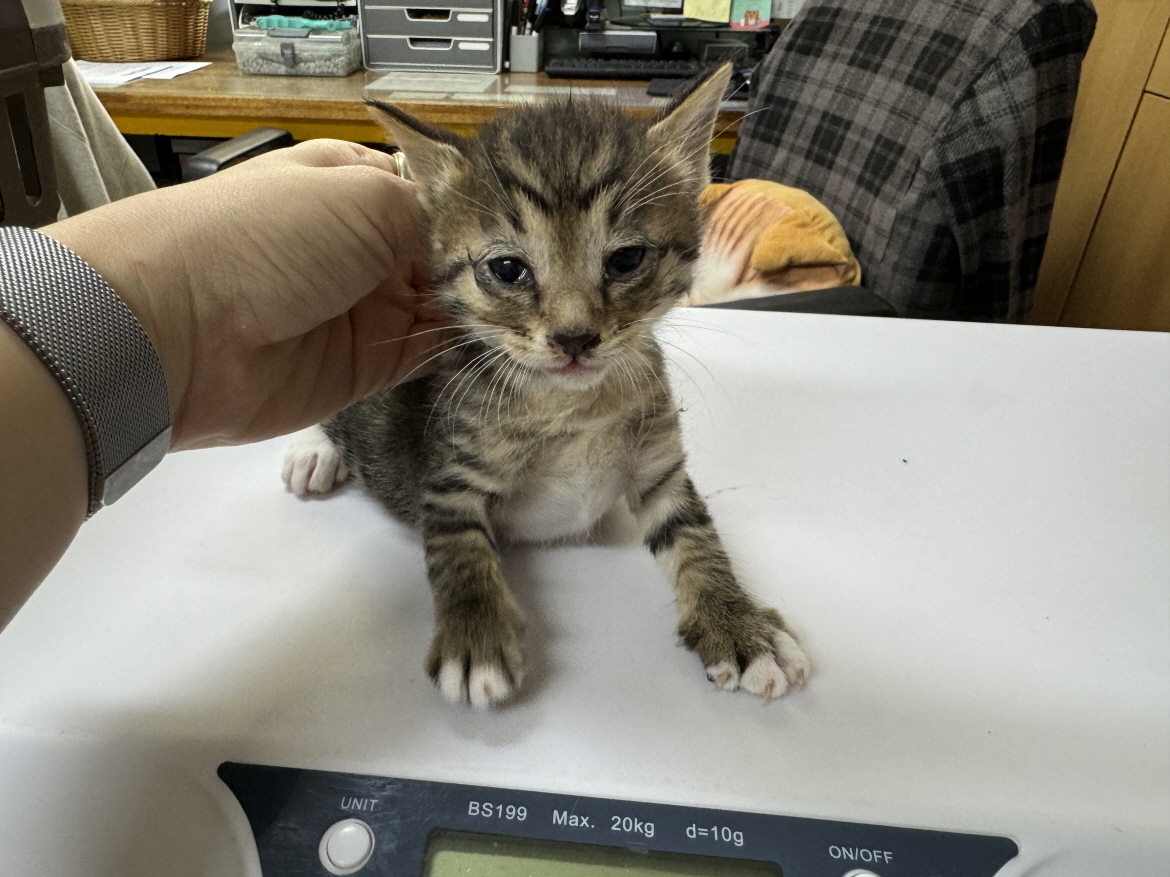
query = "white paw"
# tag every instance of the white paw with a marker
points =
(724, 674)
(312, 463)
(773, 675)
(452, 683)
(792, 660)
(484, 686)
(764, 678)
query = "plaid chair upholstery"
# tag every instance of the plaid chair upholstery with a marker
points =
(935, 130)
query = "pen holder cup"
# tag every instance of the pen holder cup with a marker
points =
(524, 52)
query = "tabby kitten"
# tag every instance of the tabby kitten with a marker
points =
(561, 234)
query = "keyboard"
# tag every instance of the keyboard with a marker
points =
(620, 68)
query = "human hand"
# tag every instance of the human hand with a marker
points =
(276, 292)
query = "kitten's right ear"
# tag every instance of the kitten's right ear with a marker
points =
(431, 154)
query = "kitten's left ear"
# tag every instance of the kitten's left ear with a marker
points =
(685, 127)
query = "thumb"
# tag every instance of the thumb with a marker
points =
(392, 342)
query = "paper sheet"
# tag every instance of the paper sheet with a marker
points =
(119, 74)
(116, 74)
(177, 68)
(708, 10)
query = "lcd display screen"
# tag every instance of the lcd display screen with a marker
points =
(463, 854)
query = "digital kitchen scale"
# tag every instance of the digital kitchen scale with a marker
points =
(966, 525)
(304, 820)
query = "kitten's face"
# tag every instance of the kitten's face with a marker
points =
(564, 248)
(563, 232)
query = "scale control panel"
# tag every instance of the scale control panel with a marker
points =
(314, 822)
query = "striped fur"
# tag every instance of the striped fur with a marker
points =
(518, 436)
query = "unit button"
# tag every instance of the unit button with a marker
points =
(859, 872)
(346, 846)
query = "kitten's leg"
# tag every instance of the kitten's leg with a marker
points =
(475, 654)
(741, 643)
(312, 463)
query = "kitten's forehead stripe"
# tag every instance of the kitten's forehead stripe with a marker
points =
(592, 192)
(513, 184)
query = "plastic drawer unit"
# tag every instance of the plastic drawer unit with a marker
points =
(433, 35)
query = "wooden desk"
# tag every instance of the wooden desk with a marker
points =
(219, 101)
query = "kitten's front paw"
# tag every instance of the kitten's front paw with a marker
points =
(777, 672)
(476, 658)
(747, 648)
(312, 463)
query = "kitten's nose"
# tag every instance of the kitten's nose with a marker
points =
(575, 344)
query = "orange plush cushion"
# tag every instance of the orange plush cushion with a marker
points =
(762, 238)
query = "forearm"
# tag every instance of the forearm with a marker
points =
(42, 473)
(204, 302)
(148, 274)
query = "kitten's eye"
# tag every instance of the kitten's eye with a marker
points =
(509, 270)
(624, 261)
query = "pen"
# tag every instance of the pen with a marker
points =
(522, 26)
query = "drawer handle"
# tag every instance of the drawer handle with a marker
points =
(472, 16)
(475, 47)
(429, 44)
(428, 14)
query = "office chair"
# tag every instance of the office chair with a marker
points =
(934, 130)
(30, 60)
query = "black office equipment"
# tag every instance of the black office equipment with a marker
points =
(737, 88)
(620, 68)
(594, 15)
(724, 51)
(618, 41)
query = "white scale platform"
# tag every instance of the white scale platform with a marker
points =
(967, 525)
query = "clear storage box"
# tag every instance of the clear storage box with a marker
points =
(297, 51)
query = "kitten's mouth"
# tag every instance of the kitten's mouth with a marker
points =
(575, 368)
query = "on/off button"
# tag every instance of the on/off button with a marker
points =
(346, 846)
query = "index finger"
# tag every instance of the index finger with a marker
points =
(339, 153)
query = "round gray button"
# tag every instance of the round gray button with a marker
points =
(346, 846)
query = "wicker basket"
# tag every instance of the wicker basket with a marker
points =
(136, 30)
